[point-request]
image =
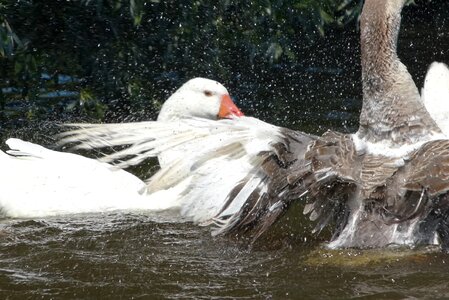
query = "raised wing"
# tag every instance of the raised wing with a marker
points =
(280, 181)
(334, 180)
(421, 185)
(223, 164)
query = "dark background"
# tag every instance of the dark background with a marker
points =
(293, 63)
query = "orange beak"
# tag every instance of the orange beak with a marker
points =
(228, 108)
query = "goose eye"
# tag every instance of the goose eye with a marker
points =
(208, 93)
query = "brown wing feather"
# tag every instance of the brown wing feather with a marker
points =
(333, 181)
(282, 174)
(421, 185)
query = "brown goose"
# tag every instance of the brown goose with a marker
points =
(371, 185)
(376, 182)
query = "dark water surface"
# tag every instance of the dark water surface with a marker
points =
(121, 255)
(130, 256)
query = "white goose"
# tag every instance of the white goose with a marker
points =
(221, 164)
(372, 185)
(37, 182)
(225, 164)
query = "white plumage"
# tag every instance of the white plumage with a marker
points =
(216, 156)
(204, 160)
(435, 95)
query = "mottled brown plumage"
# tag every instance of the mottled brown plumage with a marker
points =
(382, 198)
(418, 186)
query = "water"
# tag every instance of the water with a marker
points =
(134, 256)
(121, 255)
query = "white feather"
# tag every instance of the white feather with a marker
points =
(213, 156)
(216, 156)
(435, 95)
(187, 137)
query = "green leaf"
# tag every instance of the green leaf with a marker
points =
(18, 67)
(136, 11)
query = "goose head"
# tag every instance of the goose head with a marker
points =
(201, 98)
(392, 111)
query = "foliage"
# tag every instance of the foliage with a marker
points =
(127, 53)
